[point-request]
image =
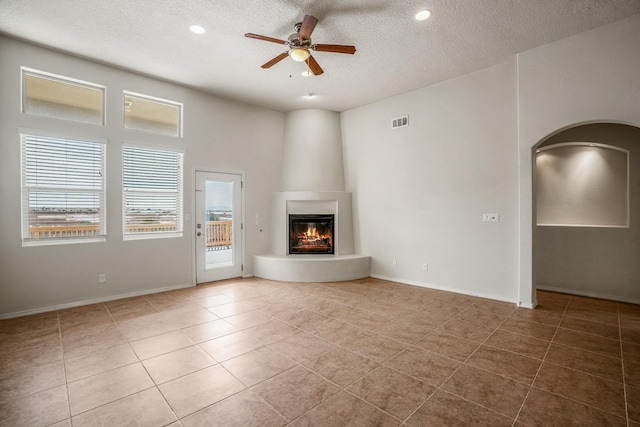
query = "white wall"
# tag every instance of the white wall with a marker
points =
(420, 191)
(218, 135)
(590, 77)
(312, 155)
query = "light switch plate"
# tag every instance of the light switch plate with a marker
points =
(491, 217)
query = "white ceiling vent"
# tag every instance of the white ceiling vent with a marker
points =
(400, 122)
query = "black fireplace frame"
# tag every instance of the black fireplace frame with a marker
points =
(315, 218)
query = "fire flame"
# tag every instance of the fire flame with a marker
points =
(312, 235)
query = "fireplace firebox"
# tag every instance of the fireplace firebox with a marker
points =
(311, 234)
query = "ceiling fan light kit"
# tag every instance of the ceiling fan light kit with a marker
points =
(300, 45)
(299, 54)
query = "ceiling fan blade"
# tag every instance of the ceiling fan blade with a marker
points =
(313, 66)
(275, 60)
(337, 48)
(308, 24)
(265, 38)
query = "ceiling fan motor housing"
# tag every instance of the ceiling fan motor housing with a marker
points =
(294, 39)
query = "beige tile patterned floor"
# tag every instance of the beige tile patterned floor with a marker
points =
(254, 352)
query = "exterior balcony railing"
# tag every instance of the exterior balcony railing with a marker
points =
(218, 233)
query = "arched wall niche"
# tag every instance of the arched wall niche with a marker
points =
(582, 184)
(591, 260)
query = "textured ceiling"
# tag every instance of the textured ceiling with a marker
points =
(395, 52)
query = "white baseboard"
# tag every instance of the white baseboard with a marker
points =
(90, 301)
(580, 293)
(533, 305)
(447, 289)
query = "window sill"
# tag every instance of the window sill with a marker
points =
(61, 241)
(147, 236)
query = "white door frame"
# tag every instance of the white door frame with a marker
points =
(192, 223)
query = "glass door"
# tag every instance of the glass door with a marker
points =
(218, 226)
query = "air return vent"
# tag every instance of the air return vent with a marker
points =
(400, 122)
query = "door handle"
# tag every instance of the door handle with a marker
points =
(198, 234)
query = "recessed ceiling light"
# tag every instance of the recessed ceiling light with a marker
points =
(309, 95)
(197, 29)
(423, 15)
(307, 73)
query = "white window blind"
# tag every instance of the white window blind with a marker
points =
(63, 194)
(152, 192)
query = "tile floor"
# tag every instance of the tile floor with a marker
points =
(363, 353)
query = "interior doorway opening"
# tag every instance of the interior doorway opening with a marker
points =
(597, 258)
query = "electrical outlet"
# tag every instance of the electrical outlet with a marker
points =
(102, 277)
(425, 266)
(395, 263)
(491, 217)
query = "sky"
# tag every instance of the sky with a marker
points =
(219, 194)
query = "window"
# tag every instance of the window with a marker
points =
(63, 194)
(61, 97)
(150, 114)
(152, 192)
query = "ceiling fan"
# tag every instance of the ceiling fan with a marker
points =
(300, 45)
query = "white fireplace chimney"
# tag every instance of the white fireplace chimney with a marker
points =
(312, 157)
(312, 184)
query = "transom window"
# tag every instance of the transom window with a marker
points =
(61, 97)
(149, 114)
(152, 192)
(63, 197)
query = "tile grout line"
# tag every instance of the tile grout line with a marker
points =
(249, 388)
(624, 380)
(339, 386)
(587, 373)
(541, 364)
(128, 342)
(139, 361)
(341, 389)
(301, 365)
(218, 363)
(64, 366)
(438, 388)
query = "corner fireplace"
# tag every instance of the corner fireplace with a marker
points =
(311, 234)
